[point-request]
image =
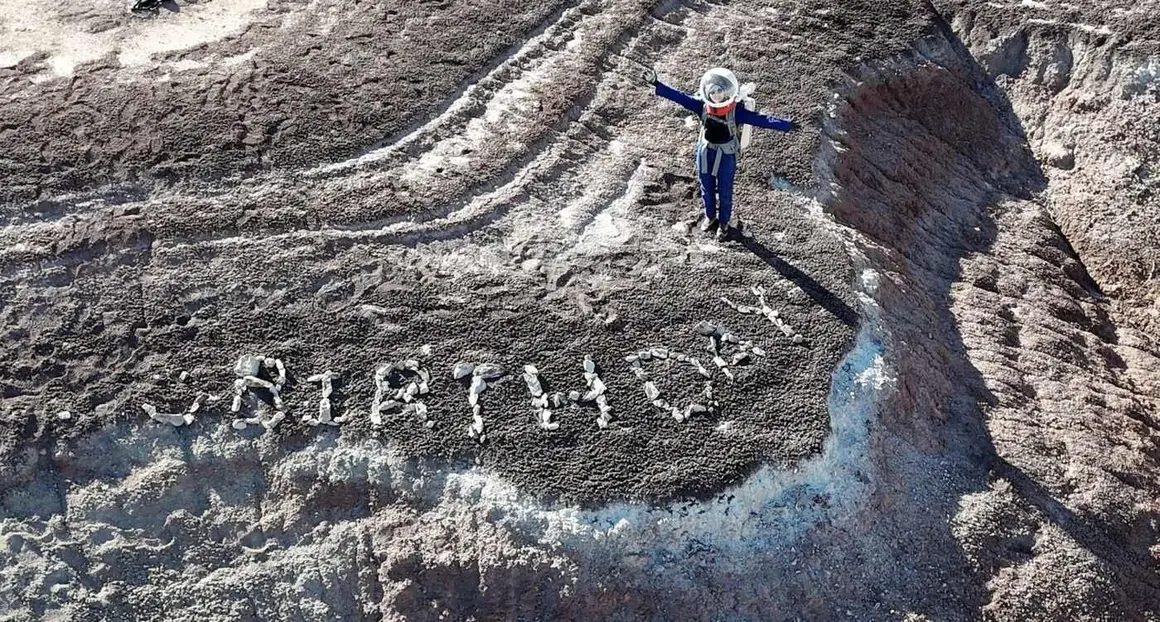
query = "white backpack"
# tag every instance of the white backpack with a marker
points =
(745, 94)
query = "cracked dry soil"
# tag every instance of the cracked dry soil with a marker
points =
(969, 429)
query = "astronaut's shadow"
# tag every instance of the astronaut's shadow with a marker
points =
(816, 291)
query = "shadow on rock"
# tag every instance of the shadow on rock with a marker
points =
(923, 160)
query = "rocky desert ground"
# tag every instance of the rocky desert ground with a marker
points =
(924, 385)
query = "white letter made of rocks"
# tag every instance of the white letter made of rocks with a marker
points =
(401, 385)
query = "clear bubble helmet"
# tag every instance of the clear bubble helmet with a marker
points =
(719, 90)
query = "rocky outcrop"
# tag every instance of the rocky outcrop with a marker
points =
(1005, 347)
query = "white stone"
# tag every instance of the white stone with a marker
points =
(478, 385)
(255, 381)
(598, 387)
(488, 371)
(463, 370)
(247, 365)
(281, 379)
(651, 390)
(707, 329)
(533, 383)
(597, 390)
(274, 421)
(381, 376)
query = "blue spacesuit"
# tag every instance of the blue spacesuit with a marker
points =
(719, 143)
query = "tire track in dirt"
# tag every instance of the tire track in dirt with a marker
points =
(472, 97)
(585, 41)
(330, 77)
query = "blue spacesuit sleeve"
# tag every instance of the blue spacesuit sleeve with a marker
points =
(768, 122)
(688, 102)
